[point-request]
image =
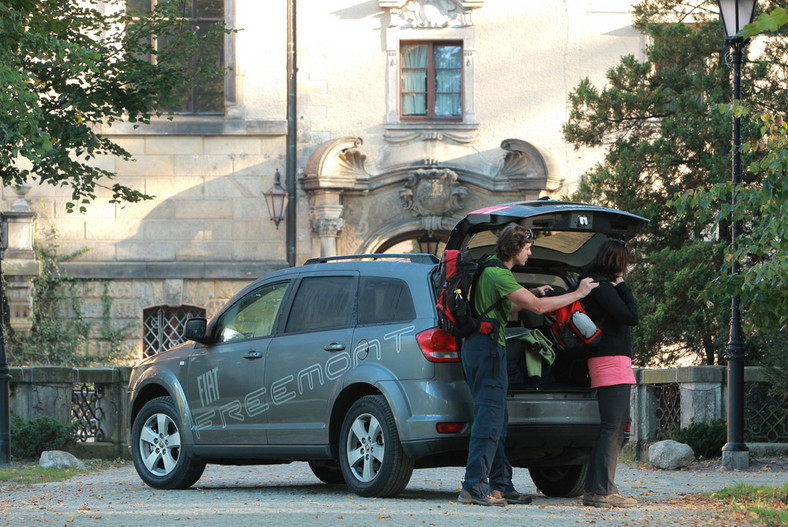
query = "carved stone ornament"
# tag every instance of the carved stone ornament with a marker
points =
(523, 165)
(433, 192)
(431, 14)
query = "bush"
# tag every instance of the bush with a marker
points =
(706, 439)
(31, 437)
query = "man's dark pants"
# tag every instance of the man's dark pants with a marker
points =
(487, 468)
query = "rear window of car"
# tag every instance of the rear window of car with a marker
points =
(383, 300)
(322, 302)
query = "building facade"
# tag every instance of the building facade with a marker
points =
(407, 114)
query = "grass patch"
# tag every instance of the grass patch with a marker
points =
(766, 505)
(23, 473)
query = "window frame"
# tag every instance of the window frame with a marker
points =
(158, 311)
(431, 92)
(263, 290)
(225, 54)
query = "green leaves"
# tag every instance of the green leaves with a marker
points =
(67, 66)
(666, 122)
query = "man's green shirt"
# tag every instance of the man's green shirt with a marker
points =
(494, 284)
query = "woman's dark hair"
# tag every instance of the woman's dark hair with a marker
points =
(511, 240)
(611, 259)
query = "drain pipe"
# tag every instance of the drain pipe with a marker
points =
(292, 130)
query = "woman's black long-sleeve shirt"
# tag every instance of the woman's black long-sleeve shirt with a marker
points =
(614, 310)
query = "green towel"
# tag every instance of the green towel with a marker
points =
(537, 349)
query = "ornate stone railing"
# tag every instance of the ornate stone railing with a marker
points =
(663, 399)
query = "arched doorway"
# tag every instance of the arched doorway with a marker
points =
(423, 241)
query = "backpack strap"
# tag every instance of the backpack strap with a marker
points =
(484, 263)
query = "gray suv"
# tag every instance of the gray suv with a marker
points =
(340, 363)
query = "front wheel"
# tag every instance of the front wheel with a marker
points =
(160, 458)
(327, 471)
(565, 481)
(370, 453)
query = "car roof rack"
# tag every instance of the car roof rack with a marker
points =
(414, 258)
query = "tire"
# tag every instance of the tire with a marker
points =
(327, 471)
(565, 481)
(370, 453)
(162, 462)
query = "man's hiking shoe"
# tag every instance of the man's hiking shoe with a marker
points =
(513, 497)
(614, 500)
(488, 500)
(588, 498)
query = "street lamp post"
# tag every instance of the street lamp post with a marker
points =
(735, 15)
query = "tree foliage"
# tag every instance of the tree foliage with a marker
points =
(66, 66)
(658, 119)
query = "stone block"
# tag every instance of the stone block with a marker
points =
(178, 145)
(219, 230)
(145, 251)
(183, 230)
(181, 187)
(232, 145)
(121, 289)
(112, 229)
(129, 309)
(205, 209)
(151, 209)
(203, 165)
(250, 209)
(145, 165)
(203, 250)
(132, 145)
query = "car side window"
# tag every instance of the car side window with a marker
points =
(253, 315)
(322, 302)
(384, 300)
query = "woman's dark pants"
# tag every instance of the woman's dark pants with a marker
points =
(614, 414)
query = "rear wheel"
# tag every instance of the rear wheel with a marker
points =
(564, 481)
(370, 453)
(161, 460)
(327, 471)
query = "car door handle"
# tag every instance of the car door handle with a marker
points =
(253, 354)
(334, 346)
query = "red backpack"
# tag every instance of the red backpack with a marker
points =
(457, 274)
(572, 327)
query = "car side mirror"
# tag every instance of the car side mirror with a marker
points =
(195, 330)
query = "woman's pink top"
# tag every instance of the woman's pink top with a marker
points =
(610, 370)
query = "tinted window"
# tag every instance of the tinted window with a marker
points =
(253, 315)
(322, 302)
(383, 300)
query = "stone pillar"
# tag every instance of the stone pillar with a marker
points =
(19, 265)
(327, 220)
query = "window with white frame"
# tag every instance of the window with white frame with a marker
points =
(431, 80)
(162, 327)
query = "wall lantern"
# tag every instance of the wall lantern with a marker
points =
(428, 244)
(276, 200)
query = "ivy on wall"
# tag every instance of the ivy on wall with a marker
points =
(62, 334)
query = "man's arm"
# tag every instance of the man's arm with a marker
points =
(524, 299)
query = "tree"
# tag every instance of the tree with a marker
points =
(68, 65)
(659, 122)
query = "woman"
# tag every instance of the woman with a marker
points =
(613, 308)
(488, 473)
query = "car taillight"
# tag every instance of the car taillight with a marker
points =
(438, 346)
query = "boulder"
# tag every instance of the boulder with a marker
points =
(59, 459)
(670, 455)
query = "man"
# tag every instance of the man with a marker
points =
(488, 473)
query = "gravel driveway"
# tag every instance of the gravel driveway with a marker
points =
(290, 495)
